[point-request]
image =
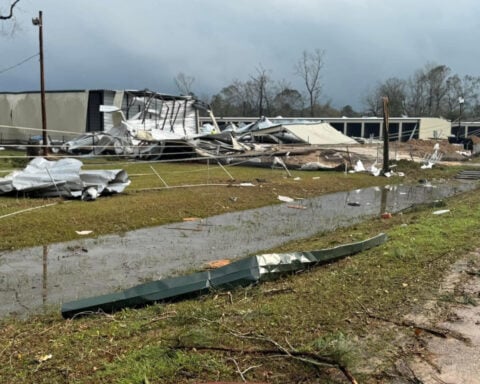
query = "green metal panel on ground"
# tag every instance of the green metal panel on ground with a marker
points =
(239, 273)
(140, 295)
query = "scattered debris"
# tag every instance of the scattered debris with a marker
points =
(296, 206)
(359, 167)
(63, 178)
(469, 175)
(441, 211)
(435, 157)
(83, 233)
(191, 219)
(43, 358)
(285, 199)
(218, 263)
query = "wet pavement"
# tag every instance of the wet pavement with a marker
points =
(37, 278)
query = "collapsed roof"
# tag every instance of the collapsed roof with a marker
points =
(311, 133)
(157, 132)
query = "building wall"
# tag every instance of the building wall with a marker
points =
(21, 115)
(434, 128)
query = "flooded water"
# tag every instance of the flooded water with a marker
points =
(41, 277)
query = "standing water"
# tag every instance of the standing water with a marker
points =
(39, 277)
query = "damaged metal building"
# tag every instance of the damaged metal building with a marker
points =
(363, 128)
(71, 113)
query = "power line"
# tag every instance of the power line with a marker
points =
(18, 64)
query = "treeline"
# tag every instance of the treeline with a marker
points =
(432, 91)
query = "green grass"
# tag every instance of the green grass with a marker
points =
(146, 202)
(323, 311)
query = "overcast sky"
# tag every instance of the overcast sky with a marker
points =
(138, 44)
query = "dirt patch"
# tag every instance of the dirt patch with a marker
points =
(456, 358)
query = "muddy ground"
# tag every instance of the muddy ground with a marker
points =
(455, 358)
(445, 342)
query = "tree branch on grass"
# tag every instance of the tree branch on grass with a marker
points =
(242, 373)
(439, 332)
(309, 358)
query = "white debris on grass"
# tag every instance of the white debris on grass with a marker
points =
(46, 178)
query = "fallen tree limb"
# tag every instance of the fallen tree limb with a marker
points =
(310, 358)
(439, 332)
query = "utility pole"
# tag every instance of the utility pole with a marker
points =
(385, 168)
(461, 101)
(39, 22)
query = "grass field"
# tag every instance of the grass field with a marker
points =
(319, 326)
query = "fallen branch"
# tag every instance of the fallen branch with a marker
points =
(439, 332)
(305, 357)
(165, 315)
(310, 358)
(242, 373)
(278, 291)
(229, 294)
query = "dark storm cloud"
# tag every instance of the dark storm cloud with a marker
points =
(144, 44)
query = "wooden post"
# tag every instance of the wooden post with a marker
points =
(385, 168)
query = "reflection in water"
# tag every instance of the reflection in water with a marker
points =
(42, 277)
(383, 201)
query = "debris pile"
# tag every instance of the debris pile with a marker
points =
(155, 126)
(63, 178)
(167, 129)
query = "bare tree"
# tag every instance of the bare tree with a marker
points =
(309, 68)
(261, 85)
(465, 88)
(393, 88)
(10, 14)
(287, 100)
(427, 90)
(235, 99)
(372, 101)
(184, 83)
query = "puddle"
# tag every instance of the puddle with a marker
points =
(40, 277)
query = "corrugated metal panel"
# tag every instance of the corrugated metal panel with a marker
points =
(239, 273)
(322, 133)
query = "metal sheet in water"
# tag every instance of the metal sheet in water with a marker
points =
(41, 277)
